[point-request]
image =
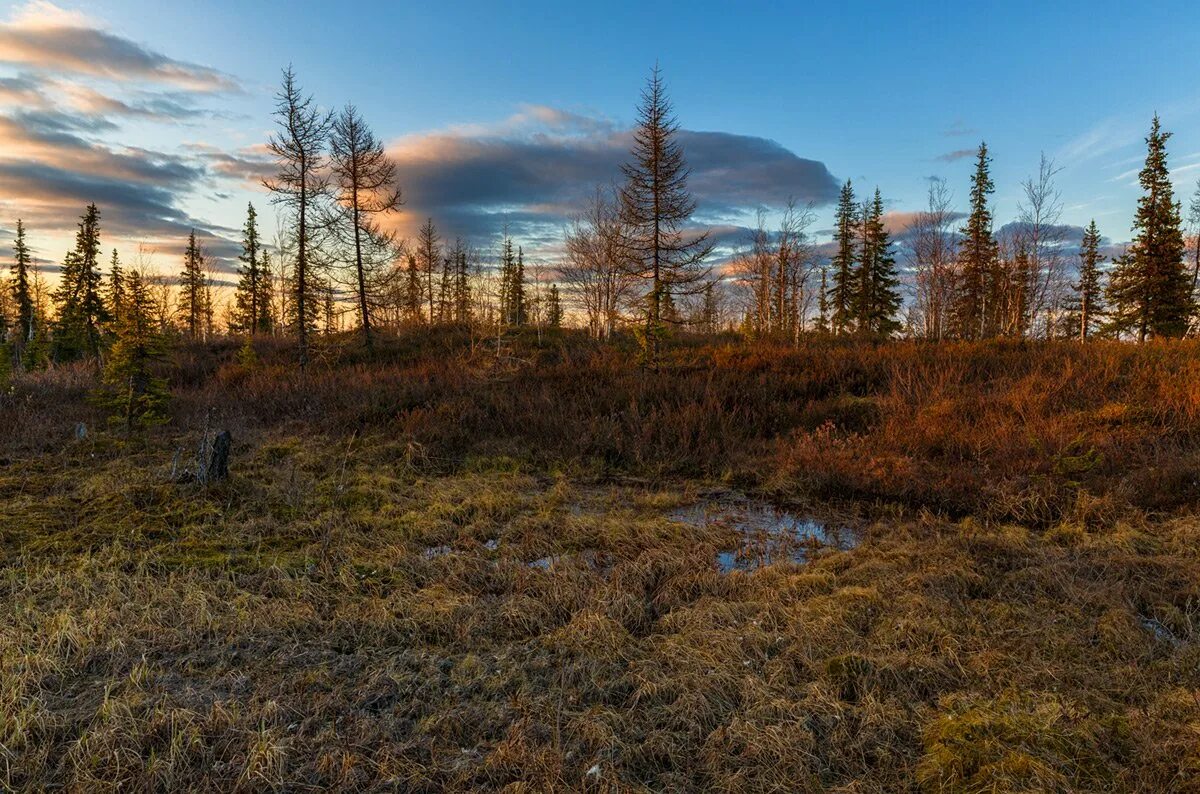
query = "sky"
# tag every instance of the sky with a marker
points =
(509, 115)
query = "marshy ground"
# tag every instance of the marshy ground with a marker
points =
(385, 596)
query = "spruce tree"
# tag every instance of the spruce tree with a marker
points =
(81, 309)
(462, 286)
(977, 256)
(708, 309)
(130, 387)
(878, 300)
(823, 304)
(1089, 298)
(554, 309)
(192, 299)
(22, 289)
(116, 290)
(412, 291)
(250, 313)
(1150, 289)
(844, 263)
(518, 305)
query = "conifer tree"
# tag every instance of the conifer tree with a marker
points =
(708, 309)
(518, 306)
(844, 263)
(655, 206)
(1089, 297)
(252, 312)
(81, 310)
(193, 304)
(823, 304)
(130, 386)
(22, 290)
(1149, 288)
(429, 255)
(365, 178)
(412, 290)
(878, 300)
(116, 290)
(299, 150)
(462, 286)
(554, 309)
(508, 264)
(976, 256)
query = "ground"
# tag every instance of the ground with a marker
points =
(404, 586)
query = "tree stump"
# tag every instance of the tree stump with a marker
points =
(218, 462)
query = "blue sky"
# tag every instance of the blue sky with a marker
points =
(884, 94)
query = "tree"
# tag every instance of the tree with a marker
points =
(775, 273)
(412, 290)
(81, 309)
(22, 290)
(655, 206)
(252, 300)
(554, 309)
(976, 256)
(1089, 298)
(822, 326)
(514, 308)
(365, 178)
(429, 255)
(461, 293)
(299, 150)
(843, 263)
(192, 299)
(1039, 283)
(1150, 289)
(116, 290)
(931, 256)
(878, 301)
(596, 270)
(1194, 228)
(129, 385)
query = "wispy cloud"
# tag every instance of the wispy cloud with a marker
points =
(955, 156)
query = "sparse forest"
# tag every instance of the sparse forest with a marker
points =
(913, 508)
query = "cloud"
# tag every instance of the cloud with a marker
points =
(533, 170)
(956, 155)
(958, 129)
(44, 37)
(61, 125)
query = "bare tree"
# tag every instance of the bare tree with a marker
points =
(655, 206)
(931, 255)
(1193, 224)
(1044, 283)
(365, 179)
(299, 150)
(596, 272)
(776, 271)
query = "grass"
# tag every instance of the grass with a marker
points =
(358, 608)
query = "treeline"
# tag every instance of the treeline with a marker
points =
(632, 260)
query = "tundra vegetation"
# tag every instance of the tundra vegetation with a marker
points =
(475, 540)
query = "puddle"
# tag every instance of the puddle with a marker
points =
(766, 534)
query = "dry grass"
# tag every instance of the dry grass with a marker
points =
(356, 609)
